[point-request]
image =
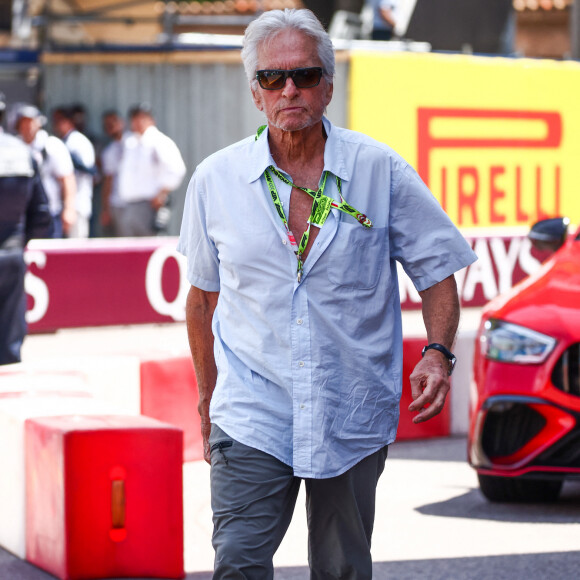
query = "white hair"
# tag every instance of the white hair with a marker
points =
(271, 23)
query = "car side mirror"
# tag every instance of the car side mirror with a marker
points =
(549, 234)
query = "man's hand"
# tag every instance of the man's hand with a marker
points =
(69, 218)
(429, 386)
(199, 309)
(159, 200)
(430, 378)
(387, 16)
(68, 186)
(106, 219)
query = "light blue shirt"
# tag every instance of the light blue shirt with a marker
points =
(379, 22)
(311, 373)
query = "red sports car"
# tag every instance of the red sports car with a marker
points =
(524, 435)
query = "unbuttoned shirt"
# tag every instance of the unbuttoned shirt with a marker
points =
(310, 372)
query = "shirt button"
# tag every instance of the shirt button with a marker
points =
(303, 406)
(299, 321)
(301, 363)
(284, 242)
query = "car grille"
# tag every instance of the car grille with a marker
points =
(508, 427)
(566, 375)
(564, 453)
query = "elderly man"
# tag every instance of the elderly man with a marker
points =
(294, 320)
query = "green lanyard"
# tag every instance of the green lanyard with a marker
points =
(324, 203)
(298, 248)
(321, 205)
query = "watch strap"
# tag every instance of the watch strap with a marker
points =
(444, 350)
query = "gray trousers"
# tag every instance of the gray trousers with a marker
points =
(253, 497)
(134, 219)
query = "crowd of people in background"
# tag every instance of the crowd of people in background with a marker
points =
(68, 184)
(119, 186)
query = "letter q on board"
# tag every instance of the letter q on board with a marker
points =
(154, 287)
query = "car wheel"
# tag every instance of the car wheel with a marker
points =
(514, 489)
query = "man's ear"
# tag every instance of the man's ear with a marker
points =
(329, 92)
(257, 98)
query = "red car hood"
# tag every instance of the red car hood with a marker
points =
(549, 300)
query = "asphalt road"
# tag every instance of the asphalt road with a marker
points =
(432, 523)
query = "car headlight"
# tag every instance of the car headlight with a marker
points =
(507, 342)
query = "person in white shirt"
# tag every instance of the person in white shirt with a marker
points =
(55, 166)
(383, 18)
(111, 155)
(151, 168)
(83, 156)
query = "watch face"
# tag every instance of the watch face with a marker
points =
(452, 362)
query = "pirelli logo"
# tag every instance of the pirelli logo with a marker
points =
(492, 167)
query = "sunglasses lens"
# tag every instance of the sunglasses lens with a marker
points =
(303, 78)
(306, 78)
(271, 79)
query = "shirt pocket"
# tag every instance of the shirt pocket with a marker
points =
(356, 256)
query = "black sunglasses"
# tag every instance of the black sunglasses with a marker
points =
(303, 78)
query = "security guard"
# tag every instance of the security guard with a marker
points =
(24, 214)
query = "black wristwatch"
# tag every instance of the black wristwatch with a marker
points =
(450, 356)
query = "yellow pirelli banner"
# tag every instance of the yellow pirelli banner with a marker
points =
(497, 140)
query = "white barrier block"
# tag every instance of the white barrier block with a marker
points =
(461, 381)
(22, 378)
(112, 378)
(14, 410)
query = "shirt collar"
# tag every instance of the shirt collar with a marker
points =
(261, 157)
(333, 154)
(334, 161)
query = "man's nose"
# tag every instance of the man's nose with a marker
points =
(290, 88)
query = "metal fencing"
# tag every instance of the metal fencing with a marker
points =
(200, 99)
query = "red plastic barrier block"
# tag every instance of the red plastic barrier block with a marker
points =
(104, 497)
(438, 426)
(169, 393)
